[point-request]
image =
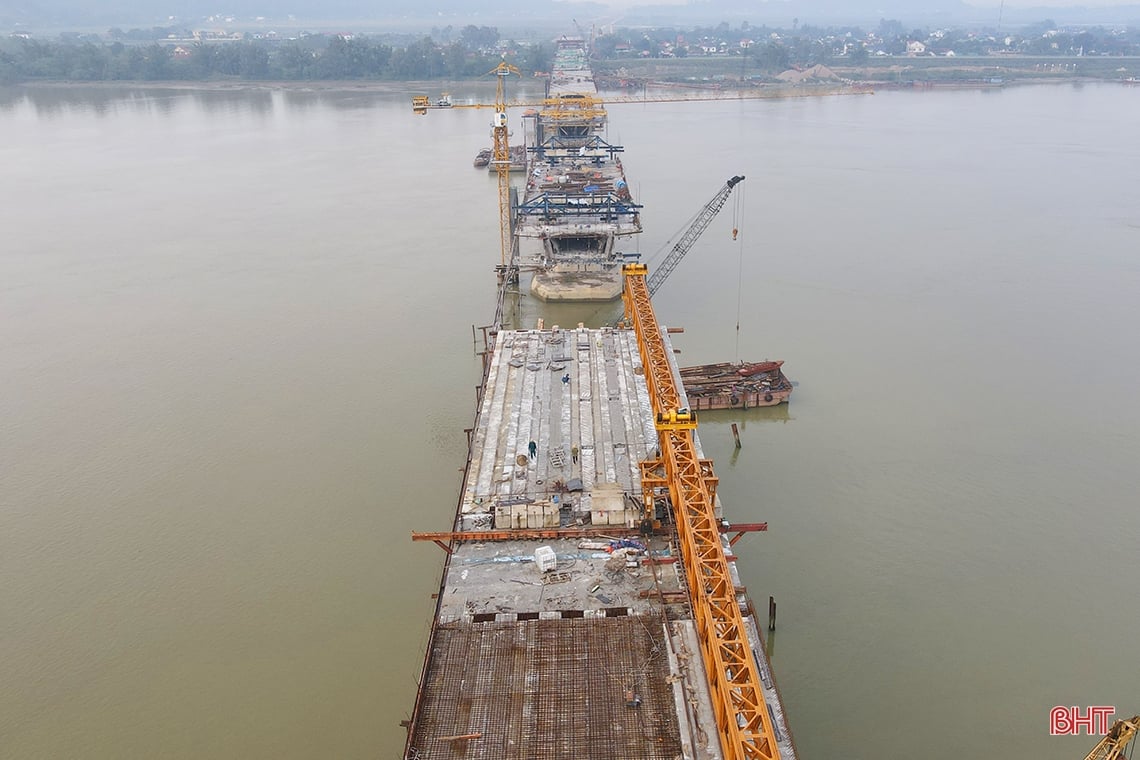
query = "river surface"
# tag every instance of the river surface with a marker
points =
(236, 363)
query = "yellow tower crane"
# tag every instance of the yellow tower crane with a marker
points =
(576, 106)
(1112, 746)
(743, 722)
(501, 160)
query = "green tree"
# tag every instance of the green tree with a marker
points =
(355, 58)
(253, 62)
(155, 63)
(1038, 29)
(201, 63)
(91, 63)
(336, 61)
(419, 60)
(537, 57)
(478, 37)
(294, 62)
(889, 28)
(773, 57)
(604, 46)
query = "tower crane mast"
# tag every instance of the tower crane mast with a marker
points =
(1112, 746)
(699, 225)
(501, 159)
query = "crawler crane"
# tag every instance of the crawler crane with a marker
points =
(1112, 746)
(743, 721)
(700, 224)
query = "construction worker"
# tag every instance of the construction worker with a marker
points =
(532, 448)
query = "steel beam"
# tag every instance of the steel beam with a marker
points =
(742, 718)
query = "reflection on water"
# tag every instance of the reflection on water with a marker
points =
(103, 100)
(758, 415)
(111, 100)
(336, 99)
(52, 100)
(257, 102)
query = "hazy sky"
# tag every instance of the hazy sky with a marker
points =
(1050, 3)
(976, 3)
(623, 4)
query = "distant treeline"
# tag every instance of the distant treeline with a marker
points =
(772, 47)
(169, 53)
(315, 57)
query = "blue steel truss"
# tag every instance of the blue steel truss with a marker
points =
(594, 143)
(552, 206)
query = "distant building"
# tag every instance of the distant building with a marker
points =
(915, 47)
(217, 35)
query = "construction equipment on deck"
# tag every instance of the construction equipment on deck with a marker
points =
(1112, 746)
(744, 725)
(700, 223)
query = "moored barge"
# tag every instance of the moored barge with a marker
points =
(736, 386)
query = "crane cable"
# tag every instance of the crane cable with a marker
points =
(657, 255)
(737, 222)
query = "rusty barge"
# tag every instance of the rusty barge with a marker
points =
(736, 386)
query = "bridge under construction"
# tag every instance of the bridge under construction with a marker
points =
(590, 605)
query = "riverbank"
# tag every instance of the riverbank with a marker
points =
(715, 73)
(733, 71)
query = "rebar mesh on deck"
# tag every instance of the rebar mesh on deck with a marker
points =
(548, 689)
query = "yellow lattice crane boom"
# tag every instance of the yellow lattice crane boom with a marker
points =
(1112, 746)
(743, 722)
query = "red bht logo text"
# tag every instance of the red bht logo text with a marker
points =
(1068, 721)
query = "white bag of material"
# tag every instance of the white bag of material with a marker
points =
(545, 559)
